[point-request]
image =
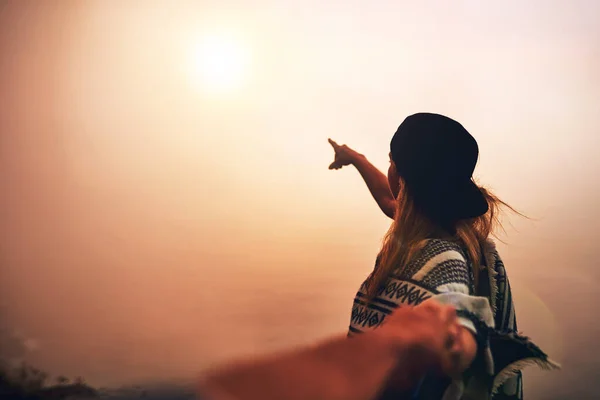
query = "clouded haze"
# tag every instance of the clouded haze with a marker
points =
(150, 227)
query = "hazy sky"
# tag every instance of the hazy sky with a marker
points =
(150, 226)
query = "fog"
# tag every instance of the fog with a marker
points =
(150, 228)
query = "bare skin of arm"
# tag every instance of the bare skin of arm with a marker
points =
(411, 342)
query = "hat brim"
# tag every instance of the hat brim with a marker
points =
(453, 202)
(469, 201)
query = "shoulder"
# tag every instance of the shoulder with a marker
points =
(437, 251)
(441, 263)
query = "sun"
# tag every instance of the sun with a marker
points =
(219, 63)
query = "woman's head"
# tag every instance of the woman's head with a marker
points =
(432, 159)
(435, 156)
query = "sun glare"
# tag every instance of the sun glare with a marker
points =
(219, 64)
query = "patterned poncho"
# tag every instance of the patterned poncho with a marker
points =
(443, 271)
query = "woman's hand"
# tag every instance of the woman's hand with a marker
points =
(461, 355)
(425, 337)
(430, 328)
(344, 155)
(461, 348)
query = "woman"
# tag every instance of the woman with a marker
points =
(438, 247)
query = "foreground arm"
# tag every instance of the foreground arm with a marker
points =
(411, 342)
(376, 180)
(341, 368)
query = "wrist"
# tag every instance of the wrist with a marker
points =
(358, 159)
(412, 351)
(409, 364)
(394, 343)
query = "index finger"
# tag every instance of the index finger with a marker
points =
(333, 143)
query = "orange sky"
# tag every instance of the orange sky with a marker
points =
(151, 227)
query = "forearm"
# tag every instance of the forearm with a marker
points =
(341, 368)
(377, 183)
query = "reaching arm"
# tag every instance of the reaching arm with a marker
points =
(339, 369)
(378, 185)
(376, 180)
(412, 341)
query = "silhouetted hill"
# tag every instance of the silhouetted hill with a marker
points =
(28, 383)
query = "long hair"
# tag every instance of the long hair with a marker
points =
(411, 228)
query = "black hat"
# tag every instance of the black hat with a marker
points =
(436, 156)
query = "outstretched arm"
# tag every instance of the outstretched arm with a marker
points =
(375, 179)
(378, 185)
(410, 342)
(334, 370)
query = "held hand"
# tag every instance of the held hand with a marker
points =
(453, 358)
(428, 335)
(344, 155)
(431, 327)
